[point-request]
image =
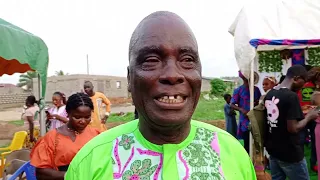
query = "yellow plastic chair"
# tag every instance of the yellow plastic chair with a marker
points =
(16, 144)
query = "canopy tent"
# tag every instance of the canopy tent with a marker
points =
(22, 51)
(273, 25)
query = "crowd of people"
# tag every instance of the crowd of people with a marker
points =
(291, 116)
(70, 124)
(164, 78)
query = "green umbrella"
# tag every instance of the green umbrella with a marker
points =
(21, 51)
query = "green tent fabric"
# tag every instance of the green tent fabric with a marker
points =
(21, 51)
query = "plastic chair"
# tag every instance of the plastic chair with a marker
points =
(16, 144)
(15, 160)
(26, 168)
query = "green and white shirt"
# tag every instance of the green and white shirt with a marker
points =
(208, 153)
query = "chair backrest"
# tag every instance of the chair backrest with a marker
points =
(28, 169)
(22, 154)
(12, 167)
(18, 140)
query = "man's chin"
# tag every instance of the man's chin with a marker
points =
(169, 121)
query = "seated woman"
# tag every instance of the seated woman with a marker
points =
(31, 123)
(53, 153)
(57, 115)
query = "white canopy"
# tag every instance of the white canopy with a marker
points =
(284, 20)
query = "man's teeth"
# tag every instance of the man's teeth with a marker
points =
(171, 99)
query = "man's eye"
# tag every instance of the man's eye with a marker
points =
(152, 59)
(150, 63)
(188, 62)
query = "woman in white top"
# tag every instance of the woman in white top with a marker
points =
(57, 115)
(31, 123)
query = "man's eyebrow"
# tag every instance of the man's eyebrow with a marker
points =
(190, 51)
(187, 50)
(150, 49)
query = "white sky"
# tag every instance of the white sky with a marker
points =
(102, 28)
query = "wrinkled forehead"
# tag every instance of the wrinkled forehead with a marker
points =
(170, 34)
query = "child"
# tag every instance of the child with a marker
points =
(230, 115)
(315, 102)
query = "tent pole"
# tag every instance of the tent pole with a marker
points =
(41, 115)
(251, 105)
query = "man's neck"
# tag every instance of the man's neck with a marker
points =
(93, 93)
(285, 84)
(164, 135)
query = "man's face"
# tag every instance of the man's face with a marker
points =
(88, 88)
(298, 83)
(165, 72)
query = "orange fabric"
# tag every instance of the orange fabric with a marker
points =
(42, 155)
(99, 112)
(12, 66)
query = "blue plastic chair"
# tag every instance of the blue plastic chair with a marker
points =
(28, 169)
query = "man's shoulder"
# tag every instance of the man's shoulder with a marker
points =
(99, 94)
(210, 127)
(103, 143)
(281, 93)
(228, 139)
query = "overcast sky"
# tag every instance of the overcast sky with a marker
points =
(102, 28)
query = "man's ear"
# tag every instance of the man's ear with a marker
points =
(128, 79)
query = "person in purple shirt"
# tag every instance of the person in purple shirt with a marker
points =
(241, 102)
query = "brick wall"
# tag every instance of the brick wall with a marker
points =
(111, 86)
(13, 100)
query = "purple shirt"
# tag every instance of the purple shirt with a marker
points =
(241, 97)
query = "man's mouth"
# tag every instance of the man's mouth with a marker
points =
(176, 99)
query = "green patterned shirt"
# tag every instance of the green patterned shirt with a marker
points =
(208, 153)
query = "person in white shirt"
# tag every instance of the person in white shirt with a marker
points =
(57, 115)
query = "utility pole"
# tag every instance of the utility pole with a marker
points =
(87, 64)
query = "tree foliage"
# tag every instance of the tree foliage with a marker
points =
(61, 73)
(218, 87)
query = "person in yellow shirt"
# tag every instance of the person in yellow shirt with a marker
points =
(99, 115)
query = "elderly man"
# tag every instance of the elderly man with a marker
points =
(164, 78)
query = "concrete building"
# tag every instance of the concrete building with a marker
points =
(111, 86)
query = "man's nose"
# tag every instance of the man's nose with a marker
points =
(171, 74)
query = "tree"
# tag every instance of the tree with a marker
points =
(26, 80)
(218, 87)
(60, 73)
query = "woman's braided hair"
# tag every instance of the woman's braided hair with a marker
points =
(77, 100)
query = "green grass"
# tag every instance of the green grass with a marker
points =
(206, 110)
(209, 109)
(125, 118)
(17, 122)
